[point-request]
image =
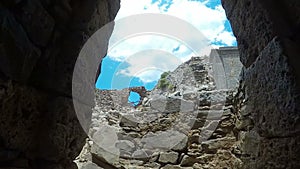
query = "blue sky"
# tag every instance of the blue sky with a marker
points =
(122, 67)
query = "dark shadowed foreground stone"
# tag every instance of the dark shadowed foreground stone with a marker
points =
(267, 104)
(273, 141)
(240, 15)
(39, 44)
(270, 86)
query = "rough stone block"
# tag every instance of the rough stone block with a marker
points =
(168, 157)
(271, 88)
(36, 21)
(251, 26)
(21, 108)
(18, 55)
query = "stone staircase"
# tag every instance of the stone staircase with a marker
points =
(193, 128)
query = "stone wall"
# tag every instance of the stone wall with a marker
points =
(267, 103)
(190, 127)
(226, 60)
(39, 43)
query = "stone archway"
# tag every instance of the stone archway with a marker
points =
(141, 90)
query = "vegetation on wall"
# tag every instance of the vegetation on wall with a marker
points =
(163, 82)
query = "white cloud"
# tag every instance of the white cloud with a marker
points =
(226, 37)
(131, 7)
(136, 44)
(211, 22)
(149, 76)
(148, 65)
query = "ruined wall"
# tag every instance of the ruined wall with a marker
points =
(226, 58)
(188, 128)
(39, 43)
(267, 104)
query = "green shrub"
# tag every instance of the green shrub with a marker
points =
(164, 75)
(171, 86)
(164, 83)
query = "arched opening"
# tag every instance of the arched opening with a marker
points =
(134, 98)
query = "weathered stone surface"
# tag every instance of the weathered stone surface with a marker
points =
(269, 119)
(259, 152)
(18, 54)
(88, 165)
(181, 146)
(188, 161)
(129, 121)
(158, 103)
(212, 146)
(125, 145)
(267, 104)
(169, 166)
(222, 159)
(24, 119)
(39, 31)
(62, 129)
(168, 157)
(19, 101)
(141, 155)
(163, 140)
(226, 67)
(104, 147)
(208, 98)
(152, 165)
(172, 104)
(39, 45)
(268, 113)
(253, 31)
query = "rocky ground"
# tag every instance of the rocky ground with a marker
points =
(184, 122)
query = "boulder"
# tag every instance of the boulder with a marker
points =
(104, 147)
(168, 157)
(165, 140)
